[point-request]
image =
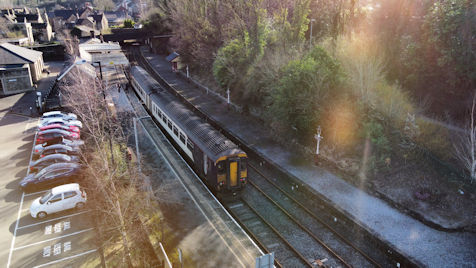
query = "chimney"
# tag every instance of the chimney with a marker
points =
(92, 33)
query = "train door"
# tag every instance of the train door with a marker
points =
(233, 173)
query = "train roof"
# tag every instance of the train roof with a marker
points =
(143, 78)
(211, 141)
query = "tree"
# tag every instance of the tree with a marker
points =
(128, 23)
(304, 84)
(116, 188)
(465, 146)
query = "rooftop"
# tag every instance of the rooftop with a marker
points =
(11, 54)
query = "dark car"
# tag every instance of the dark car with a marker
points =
(41, 151)
(49, 134)
(52, 159)
(52, 175)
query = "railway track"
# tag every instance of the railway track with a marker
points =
(331, 235)
(310, 217)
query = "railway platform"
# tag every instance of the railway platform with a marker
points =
(420, 243)
(199, 226)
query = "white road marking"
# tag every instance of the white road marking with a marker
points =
(54, 238)
(35, 193)
(15, 231)
(67, 246)
(59, 218)
(66, 225)
(65, 259)
(46, 251)
(58, 227)
(57, 249)
(19, 212)
(48, 229)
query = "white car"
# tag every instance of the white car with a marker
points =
(49, 121)
(59, 198)
(58, 114)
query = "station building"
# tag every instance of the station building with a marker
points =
(20, 68)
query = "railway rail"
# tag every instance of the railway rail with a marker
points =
(346, 243)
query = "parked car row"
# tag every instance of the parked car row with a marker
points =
(56, 162)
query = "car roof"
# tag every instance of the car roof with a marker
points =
(53, 156)
(58, 145)
(52, 113)
(65, 188)
(54, 130)
(54, 125)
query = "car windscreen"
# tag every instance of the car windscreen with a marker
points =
(45, 198)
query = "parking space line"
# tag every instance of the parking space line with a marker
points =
(54, 238)
(30, 194)
(66, 258)
(15, 231)
(58, 218)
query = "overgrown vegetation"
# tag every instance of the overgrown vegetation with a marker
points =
(367, 79)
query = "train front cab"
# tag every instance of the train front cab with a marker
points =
(231, 173)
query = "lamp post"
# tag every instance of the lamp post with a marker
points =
(107, 110)
(78, 62)
(318, 138)
(310, 37)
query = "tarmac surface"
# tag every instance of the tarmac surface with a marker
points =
(418, 242)
(65, 239)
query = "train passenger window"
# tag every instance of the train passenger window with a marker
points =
(164, 119)
(190, 145)
(243, 165)
(182, 137)
(160, 114)
(169, 123)
(220, 167)
(175, 131)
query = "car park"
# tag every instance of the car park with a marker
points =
(59, 114)
(49, 134)
(54, 174)
(58, 199)
(59, 126)
(55, 149)
(52, 159)
(61, 122)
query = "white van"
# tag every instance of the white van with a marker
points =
(59, 198)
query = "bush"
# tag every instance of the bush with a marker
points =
(128, 23)
(303, 86)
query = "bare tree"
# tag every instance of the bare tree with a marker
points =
(115, 184)
(465, 146)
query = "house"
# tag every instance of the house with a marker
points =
(83, 17)
(114, 18)
(19, 68)
(40, 25)
(17, 31)
(100, 21)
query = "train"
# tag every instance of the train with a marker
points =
(216, 159)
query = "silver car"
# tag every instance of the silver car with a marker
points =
(52, 159)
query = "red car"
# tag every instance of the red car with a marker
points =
(58, 126)
(50, 134)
